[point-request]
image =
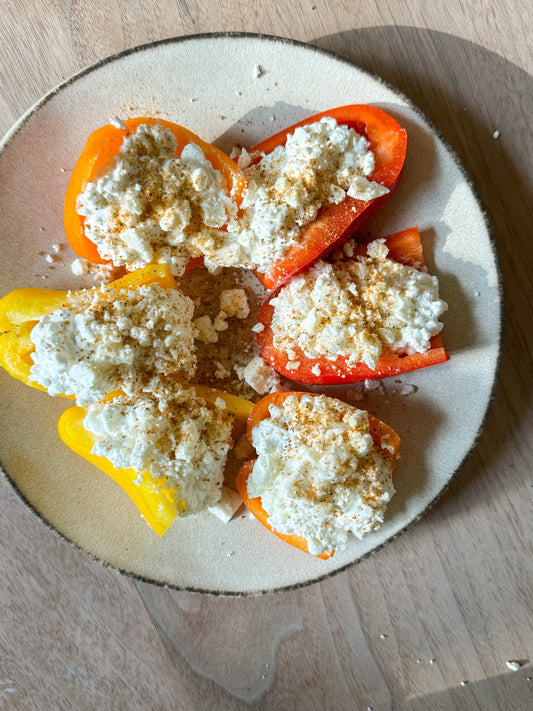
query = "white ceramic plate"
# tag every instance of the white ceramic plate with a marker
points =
(211, 85)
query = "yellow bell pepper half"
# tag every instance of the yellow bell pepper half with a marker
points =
(21, 309)
(157, 505)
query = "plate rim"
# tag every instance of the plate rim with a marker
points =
(24, 119)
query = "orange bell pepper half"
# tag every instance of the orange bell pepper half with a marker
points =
(102, 145)
(336, 223)
(21, 309)
(159, 506)
(260, 412)
(404, 247)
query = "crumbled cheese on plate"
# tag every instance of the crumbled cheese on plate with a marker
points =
(234, 303)
(260, 376)
(229, 503)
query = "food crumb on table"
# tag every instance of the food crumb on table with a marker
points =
(514, 664)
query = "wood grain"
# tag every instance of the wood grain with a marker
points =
(451, 600)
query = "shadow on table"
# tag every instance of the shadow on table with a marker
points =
(513, 688)
(471, 94)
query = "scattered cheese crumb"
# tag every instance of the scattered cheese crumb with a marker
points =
(514, 664)
(234, 303)
(117, 123)
(377, 249)
(79, 266)
(348, 249)
(316, 370)
(220, 323)
(228, 504)
(260, 376)
(220, 371)
(258, 328)
(236, 152)
(293, 365)
(496, 134)
(386, 443)
(203, 330)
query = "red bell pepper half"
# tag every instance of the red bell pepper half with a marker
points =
(336, 223)
(404, 247)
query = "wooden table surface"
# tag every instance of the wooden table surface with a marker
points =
(430, 621)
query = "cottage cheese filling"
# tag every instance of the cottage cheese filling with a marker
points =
(356, 308)
(149, 204)
(319, 473)
(105, 341)
(320, 164)
(174, 436)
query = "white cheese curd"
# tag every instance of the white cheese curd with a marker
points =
(228, 504)
(260, 376)
(204, 330)
(234, 302)
(356, 308)
(105, 341)
(220, 323)
(319, 473)
(174, 436)
(149, 204)
(79, 266)
(320, 164)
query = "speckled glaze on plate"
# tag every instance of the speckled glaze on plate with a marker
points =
(238, 89)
